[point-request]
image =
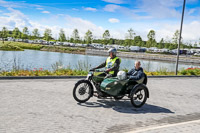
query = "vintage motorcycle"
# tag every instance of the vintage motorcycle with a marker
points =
(112, 87)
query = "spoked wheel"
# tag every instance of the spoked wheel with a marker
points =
(138, 96)
(82, 91)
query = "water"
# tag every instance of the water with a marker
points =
(30, 59)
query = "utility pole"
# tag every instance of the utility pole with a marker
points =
(179, 42)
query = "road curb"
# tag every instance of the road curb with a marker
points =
(78, 77)
(41, 77)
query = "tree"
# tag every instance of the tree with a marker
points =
(88, 37)
(130, 34)
(161, 44)
(47, 34)
(138, 41)
(106, 36)
(62, 37)
(195, 44)
(4, 33)
(36, 33)
(16, 33)
(175, 38)
(151, 39)
(75, 36)
(129, 37)
(25, 33)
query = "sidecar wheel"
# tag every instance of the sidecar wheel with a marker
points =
(138, 96)
(82, 91)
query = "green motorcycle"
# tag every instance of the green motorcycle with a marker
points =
(112, 87)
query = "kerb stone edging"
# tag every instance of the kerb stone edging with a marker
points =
(78, 77)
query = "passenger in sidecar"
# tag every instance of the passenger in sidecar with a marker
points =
(136, 74)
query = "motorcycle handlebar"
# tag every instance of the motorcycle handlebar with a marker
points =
(97, 70)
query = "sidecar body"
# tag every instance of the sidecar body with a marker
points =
(115, 87)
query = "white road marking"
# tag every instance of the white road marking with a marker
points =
(163, 126)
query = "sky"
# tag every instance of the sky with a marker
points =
(117, 16)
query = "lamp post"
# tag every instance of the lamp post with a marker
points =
(179, 42)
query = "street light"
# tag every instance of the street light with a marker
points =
(179, 42)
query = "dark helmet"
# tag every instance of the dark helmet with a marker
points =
(112, 50)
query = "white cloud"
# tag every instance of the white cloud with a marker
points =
(16, 4)
(14, 19)
(114, 1)
(75, 9)
(8, 4)
(40, 8)
(83, 25)
(113, 20)
(111, 8)
(90, 9)
(160, 8)
(45, 12)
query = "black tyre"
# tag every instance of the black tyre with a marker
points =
(138, 96)
(82, 91)
(118, 97)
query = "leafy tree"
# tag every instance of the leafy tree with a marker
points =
(151, 39)
(161, 44)
(75, 36)
(106, 37)
(88, 37)
(4, 33)
(138, 41)
(25, 33)
(130, 34)
(47, 34)
(62, 37)
(35, 33)
(111, 41)
(175, 38)
(16, 33)
(129, 37)
(195, 44)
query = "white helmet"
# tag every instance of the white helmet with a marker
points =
(113, 50)
(121, 75)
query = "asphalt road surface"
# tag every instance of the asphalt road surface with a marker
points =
(47, 106)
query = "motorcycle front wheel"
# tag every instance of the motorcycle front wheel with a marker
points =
(82, 91)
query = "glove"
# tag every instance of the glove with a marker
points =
(92, 69)
(107, 71)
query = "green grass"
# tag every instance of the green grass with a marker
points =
(20, 46)
(71, 72)
(7, 46)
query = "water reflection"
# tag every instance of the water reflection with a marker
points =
(30, 59)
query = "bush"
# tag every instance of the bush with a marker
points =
(190, 71)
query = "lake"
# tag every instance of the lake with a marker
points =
(30, 59)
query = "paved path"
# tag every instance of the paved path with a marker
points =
(41, 106)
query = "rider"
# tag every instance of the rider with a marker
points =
(136, 73)
(112, 64)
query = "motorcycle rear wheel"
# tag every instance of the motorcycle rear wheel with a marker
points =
(82, 91)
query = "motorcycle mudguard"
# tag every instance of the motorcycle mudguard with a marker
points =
(87, 81)
(144, 86)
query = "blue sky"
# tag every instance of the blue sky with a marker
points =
(117, 16)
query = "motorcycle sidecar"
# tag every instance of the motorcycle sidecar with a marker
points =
(136, 90)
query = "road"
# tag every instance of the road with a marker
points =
(47, 105)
